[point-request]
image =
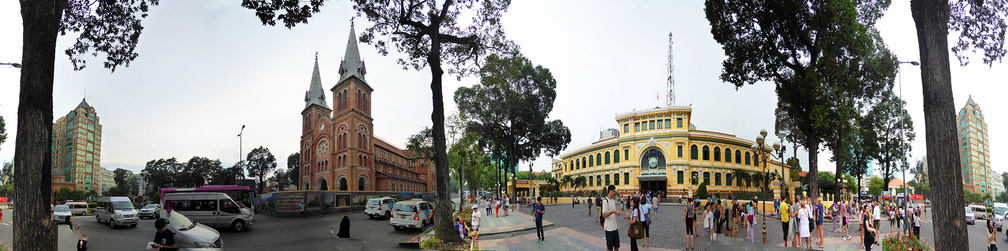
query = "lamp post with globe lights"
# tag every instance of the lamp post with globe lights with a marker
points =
(777, 152)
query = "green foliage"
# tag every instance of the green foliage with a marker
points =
(7, 173)
(875, 186)
(160, 173)
(422, 144)
(293, 162)
(125, 183)
(198, 171)
(903, 241)
(64, 194)
(3, 131)
(1003, 197)
(819, 84)
(972, 197)
(432, 243)
(922, 188)
(702, 190)
(894, 131)
(260, 162)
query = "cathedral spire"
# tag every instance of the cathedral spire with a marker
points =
(315, 94)
(352, 65)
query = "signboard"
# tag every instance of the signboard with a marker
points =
(288, 202)
(522, 182)
(4, 199)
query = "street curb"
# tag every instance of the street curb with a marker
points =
(5, 246)
(513, 230)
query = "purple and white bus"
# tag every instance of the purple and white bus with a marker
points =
(241, 194)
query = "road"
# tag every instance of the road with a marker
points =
(268, 233)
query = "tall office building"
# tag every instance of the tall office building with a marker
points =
(107, 180)
(76, 147)
(973, 149)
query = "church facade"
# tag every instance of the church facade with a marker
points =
(339, 150)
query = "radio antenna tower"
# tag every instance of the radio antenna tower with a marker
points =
(671, 74)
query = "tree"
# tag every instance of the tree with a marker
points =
(894, 131)
(3, 131)
(580, 182)
(229, 176)
(824, 58)
(510, 110)
(7, 172)
(280, 179)
(259, 163)
(293, 162)
(198, 171)
(107, 27)
(161, 173)
(1003, 176)
(422, 144)
(1002, 197)
(876, 185)
(429, 35)
(920, 171)
(125, 183)
(981, 26)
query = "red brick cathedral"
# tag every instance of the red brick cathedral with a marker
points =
(338, 148)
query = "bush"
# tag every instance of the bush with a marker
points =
(901, 242)
(702, 190)
(432, 243)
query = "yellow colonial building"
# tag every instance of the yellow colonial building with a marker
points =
(659, 150)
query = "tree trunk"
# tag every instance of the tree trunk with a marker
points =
(840, 162)
(443, 211)
(813, 168)
(931, 18)
(33, 226)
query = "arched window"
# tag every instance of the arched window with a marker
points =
(616, 156)
(706, 153)
(591, 161)
(598, 179)
(342, 184)
(615, 179)
(598, 159)
(756, 159)
(728, 179)
(747, 158)
(606, 158)
(706, 178)
(693, 152)
(717, 154)
(577, 164)
(694, 177)
(584, 163)
(591, 182)
(717, 179)
(727, 155)
(738, 157)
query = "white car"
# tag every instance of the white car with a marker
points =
(414, 213)
(970, 218)
(380, 207)
(61, 213)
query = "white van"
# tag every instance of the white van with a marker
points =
(77, 207)
(214, 209)
(116, 211)
(413, 213)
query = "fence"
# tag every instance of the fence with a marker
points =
(286, 203)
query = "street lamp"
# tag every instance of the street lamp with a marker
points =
(760, 148)
(240, 147)
(12, 64)
(906, 197)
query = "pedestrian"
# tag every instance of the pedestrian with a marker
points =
(803, 217)
(81, 235)
(736, 220)
(877, 214)
(301, 209)
(868, 233)
(497, 205)
(819, 220)
(611, 227)
(916, 224)
(573, 201)
(689, 216)
(843, 221)
(648, 211)
(539, 210)
(476, 220)
(776, 204)
(461, 227)
(634, 217)
(654, 207)
(507, 204)
(598, 204)
(991, 236)
(488, 211)
(715, 219)
(164, 239)
(785, 219)
(794, 221)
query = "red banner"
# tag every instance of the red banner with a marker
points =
(4, 199)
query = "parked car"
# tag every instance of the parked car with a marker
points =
(116, 211)
(413, 213)
(213, 209)
(970, 218)
(191, 234)
(380, 207)
(61, 213)
(77, 207)
(149, 211)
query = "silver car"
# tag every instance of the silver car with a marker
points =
(149, 211)
(970, 218)
(61, 213)
(189, 234)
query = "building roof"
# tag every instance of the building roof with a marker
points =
(895, 182)
(970, 101)
(84, 104)
(315, 94)
(352, 65)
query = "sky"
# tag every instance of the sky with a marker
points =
(206, 68)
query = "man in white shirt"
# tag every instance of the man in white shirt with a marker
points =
(611, 226)
(877, 214)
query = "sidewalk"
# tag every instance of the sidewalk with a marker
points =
(556, 239)
(514, 222)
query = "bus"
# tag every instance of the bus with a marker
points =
(241, 194)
